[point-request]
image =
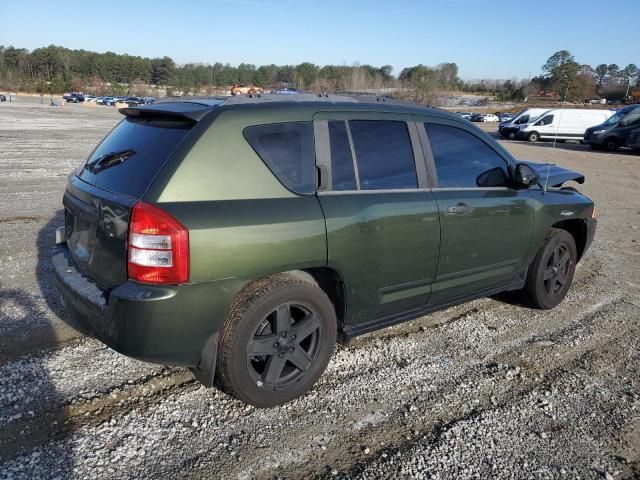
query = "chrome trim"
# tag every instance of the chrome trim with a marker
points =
(474, 189)
(389, 190)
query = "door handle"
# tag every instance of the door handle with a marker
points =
(459, 209)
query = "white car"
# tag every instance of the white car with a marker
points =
(490, 117)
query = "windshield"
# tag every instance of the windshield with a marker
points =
(129, 157)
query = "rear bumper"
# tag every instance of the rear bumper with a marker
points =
(171, 325)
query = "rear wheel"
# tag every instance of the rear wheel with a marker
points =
(276, 341)
(551, 272)
(533, 137)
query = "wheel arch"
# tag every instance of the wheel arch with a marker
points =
(578, 230)
(331, 282)
(327, 279)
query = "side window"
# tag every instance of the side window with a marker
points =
(288, 151)
(343, 176)
(546, 120)
(462, 160)
(522, 119)
(384, 154)
(631, 120)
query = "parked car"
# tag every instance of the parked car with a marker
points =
(110, 101)
(614, 132)
(3, 98)
(477, 117)
(509, 129)
(248, 268)
(490, 117)
(506, 117)
(563, 124)
(133, 101)
(465, 115)
(74, 98)
(240, 89)
(286, 91)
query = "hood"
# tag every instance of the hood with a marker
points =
(557, 175)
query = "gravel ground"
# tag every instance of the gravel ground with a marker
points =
(489, 389)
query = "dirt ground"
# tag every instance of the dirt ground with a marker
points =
(489, 389)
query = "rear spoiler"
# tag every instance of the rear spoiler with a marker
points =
(186, 110)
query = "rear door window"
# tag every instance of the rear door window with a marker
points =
(129, 157)
(384, 155)
(288, 150)
(462, 160)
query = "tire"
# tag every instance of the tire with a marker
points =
(288, 361)
(533, 137)
(611, 144)
(550, 274)
(511, 135)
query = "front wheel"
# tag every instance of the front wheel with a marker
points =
(611, 144)
(276, 341)
(551, 272)
(533, 137)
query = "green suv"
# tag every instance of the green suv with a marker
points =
(243, 237)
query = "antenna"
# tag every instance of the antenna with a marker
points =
(555, 138)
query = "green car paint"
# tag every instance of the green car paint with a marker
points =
(394, 254)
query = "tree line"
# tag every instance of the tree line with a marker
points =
(55, 69)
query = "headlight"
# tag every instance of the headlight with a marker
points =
(598, 132)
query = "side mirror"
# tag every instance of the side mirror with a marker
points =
(525, 176)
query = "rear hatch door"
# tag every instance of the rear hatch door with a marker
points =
(101, 193)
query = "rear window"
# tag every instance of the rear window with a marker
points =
(288, 150)
(129, 157)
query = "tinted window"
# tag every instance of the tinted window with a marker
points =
(288, 151)
(546, 120)
(342, 173)
(129, 157)
(522, 119)
(384, 154)
(463, 160)
(632, 119)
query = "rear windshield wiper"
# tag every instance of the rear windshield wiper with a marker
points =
(108, 160)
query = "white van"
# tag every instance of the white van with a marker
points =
(563, 124)
(510, 129)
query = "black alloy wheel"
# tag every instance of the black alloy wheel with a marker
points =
(284, 345)
(557, 271)
(276, 341)
(550, 274)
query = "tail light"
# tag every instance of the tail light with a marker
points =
(158, 248)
